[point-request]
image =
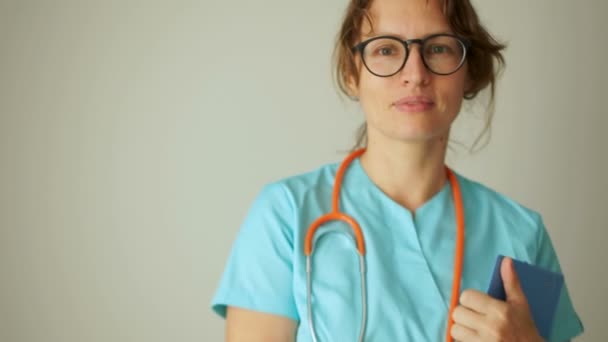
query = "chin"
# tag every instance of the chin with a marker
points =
(417, 139)
(412, 131)
(420, 134)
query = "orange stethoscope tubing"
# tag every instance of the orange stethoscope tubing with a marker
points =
(337, 215)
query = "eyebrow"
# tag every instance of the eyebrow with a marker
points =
(378, 34)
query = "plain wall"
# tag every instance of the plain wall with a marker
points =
(135, 134)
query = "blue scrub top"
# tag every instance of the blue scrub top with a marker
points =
(409, 257)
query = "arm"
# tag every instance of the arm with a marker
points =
(253, 326)
(566, 323)
(256, 290)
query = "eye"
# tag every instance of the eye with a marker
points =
(438, 49)
(386, 51)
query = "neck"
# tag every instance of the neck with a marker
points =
(411, 173)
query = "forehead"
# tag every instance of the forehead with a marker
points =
(406, 18)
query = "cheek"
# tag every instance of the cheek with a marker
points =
(450, 92)
(374, 92)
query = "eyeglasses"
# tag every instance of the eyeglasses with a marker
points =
(385, 56)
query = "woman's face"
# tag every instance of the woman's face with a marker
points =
(413, 105)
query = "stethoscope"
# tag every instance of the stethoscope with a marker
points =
(337, 215)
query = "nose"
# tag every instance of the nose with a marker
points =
(414, 71)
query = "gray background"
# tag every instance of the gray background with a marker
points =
(134, 135)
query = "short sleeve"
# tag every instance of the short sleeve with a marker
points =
(259, 273)
(566, 324)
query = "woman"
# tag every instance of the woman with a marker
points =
(400, 193)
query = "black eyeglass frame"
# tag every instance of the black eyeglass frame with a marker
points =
(466, 45)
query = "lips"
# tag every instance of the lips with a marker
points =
(414, 104)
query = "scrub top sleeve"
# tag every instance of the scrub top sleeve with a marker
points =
(566, 324)
(258, 274)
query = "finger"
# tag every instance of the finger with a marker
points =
(464, 334)
(478, 301)
(468, 318)
(511, 282)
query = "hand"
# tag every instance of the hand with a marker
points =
(480, 317)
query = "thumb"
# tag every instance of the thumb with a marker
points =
(511, 282)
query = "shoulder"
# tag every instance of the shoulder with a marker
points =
(498, 206)
(518, 231)
(319, 177)
(281, 202)
(293, 188)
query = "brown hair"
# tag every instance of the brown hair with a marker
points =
(484, 58)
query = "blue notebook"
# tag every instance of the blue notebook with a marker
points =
(541, 287)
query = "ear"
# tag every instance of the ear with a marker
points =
(353, 88)
(468, 86)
